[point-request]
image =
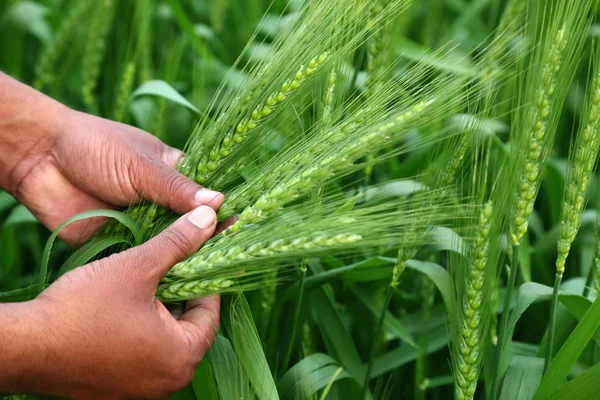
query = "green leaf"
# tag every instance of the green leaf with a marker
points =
(31, 17)
(569, 353)
(338, 340)
(7, 202)
(22, 294)
(441, 238)
(163, 89)
(584, 386)
(204, 383)
(242, 331)
(309, 376)
(89, 250)
(390, 322)
(436, 339)
(186, 393)
(231, 381)
(324, 277)
(522, 378)
(123, 218)
(440, 277)
(20, 215)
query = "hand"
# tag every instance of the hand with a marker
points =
(99, 331)
(59, 162)
(96, 163)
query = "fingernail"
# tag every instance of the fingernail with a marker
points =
(203, 217)
(206, 196)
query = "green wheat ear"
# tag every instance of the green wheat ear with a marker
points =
(219, 155)
(472, 320)
(583, 157)
(95, 50)
(538, 137)
(316, 175)
(52, 53)
(248, 260)
(125, 89)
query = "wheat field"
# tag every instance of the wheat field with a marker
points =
(413, 184)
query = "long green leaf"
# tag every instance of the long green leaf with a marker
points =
(163, 89)
(570, 351)
(522, 378)
(123, 218)
(584, 386)
(246, 342)
(91, 249)
(232, 383)
(309, 376)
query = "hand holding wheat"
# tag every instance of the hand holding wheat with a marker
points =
(59, 163)
(99, 331)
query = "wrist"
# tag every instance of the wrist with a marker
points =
(25, 340)
(29, 124)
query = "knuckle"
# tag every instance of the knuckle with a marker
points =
(175, 184)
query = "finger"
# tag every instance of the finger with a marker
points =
(201, 323)
(160, 183)
(183, 238)
(225, 224)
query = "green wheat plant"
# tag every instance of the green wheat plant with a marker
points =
(545, 86)
(582, 161)
(95, 50)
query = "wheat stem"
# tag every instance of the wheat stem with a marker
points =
(376, 337)
(502, 334)
(298, 309)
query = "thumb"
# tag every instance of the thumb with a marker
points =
(183, 238)
(162, 184)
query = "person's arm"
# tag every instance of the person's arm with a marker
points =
(29, 123)
(99, 331)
